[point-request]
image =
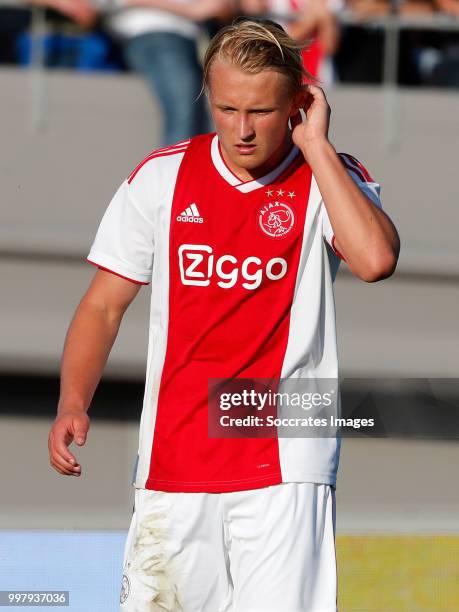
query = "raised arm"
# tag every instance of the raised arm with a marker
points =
(364, 234)
(89, 340)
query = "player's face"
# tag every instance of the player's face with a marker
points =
(251, 113)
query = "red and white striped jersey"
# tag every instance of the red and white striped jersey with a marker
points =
(241, 287)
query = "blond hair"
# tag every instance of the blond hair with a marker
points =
(255, 45)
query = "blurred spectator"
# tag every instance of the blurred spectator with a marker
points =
(448, 6)
(434, 55)
(159, 39)
(14, 20)
(306, 20)
(428, 57)
(365, 9)
(80, 11)
(373, 8)
(415, 7)
(15, 24)
(65, 46)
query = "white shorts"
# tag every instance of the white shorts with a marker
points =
(268, 549)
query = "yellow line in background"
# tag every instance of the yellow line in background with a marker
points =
(398, 573)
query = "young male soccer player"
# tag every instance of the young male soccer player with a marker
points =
(231, 229)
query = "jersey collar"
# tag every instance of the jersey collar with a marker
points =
(246, 187)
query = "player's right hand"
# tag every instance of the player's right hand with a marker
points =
(69, 426)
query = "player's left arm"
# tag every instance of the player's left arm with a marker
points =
(364, 234)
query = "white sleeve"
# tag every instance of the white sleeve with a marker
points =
(124, 243)
(366, 184)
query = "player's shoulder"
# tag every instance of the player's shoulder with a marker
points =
(356, 168)
(362, 177)
(166, 160)
(165, 157)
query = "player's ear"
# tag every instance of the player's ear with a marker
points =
(296, 105)
(297, 102)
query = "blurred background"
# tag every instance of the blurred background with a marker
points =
(87, 89)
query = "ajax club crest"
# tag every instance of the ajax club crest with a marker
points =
(276, 219)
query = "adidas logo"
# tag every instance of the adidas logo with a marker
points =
(190, 215)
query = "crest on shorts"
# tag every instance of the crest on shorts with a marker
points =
(276, 219)
(125, 589)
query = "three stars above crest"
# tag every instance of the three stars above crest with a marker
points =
(280, 192)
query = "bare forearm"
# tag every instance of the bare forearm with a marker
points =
(364, 234)
(176, 8)
(303, 28)
(329, 34)
(199, 10)
(448, 6)
(183, 10)
(88, 343)
(317, 23)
